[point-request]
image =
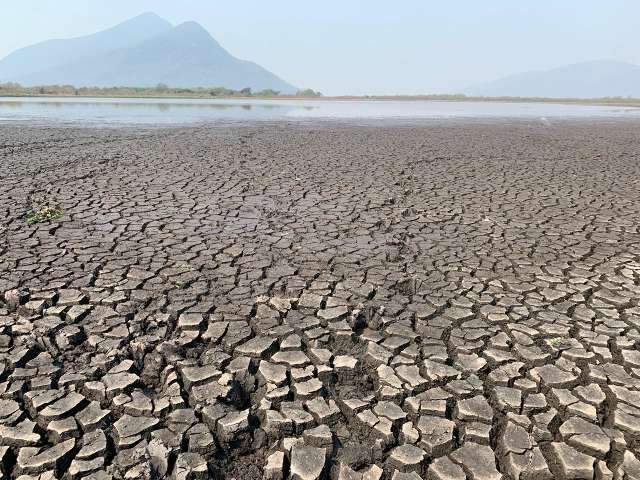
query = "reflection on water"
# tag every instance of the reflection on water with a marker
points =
(101, 111)
(107, 111)
(161, 106)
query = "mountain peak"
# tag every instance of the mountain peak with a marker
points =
(53, 53)
(149, 15)
(145, 20)
(193, 29)
(142, 51)
(190, 35)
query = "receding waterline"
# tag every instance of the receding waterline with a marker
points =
(100, 111)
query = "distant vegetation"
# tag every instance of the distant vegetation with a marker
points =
(12, 89)
(161, 90)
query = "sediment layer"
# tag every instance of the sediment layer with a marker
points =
(311, 301)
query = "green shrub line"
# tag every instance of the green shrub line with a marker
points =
(12, 89)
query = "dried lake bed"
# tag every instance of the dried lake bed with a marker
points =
(308, 300)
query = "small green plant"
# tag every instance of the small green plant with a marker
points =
(45, 212)
(557, 342)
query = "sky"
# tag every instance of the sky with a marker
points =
(365, 47)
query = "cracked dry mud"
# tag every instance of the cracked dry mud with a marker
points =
(356, 303)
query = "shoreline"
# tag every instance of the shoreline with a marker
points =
(347, 98)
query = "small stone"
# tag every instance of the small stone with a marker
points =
(257, 347)
(573, 464)
(345, 362)
(81, 468)
(232, 425)
(194, 376)
(60, 408)
(390, 411)
(585, 436)
(398, 475)
(411, 375)
(128, 426)
(93, 444)
(92, 417)
(324, 412)
(310, 300)
(190, 466)
(552, 376)
(320, 437)
(201, 440)
(60, 430)
(292, 342)
(118, 383)
(474, 409)
(190, 321)
(159, 453)
(334, 313)
(274, 468)
(277, 425)
(436, 435)
(476, 432)
(271, 373)
(307, 390)
(35, 460)
(22, 435)
(479, 460)
(307, 463)
(435, 371)
(444, 469)
(292, 358)
(407, 458)
(408, 434)
(300, 418)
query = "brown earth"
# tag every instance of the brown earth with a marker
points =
(405, 302)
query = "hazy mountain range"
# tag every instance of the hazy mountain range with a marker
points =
(148, 50)
(140, 52)
(602, 78)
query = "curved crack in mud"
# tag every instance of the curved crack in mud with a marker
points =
(306, 302)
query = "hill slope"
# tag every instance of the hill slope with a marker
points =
(53, 53)
(602, 78)
(181, 56)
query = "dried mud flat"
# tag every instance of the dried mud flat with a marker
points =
(356, 303)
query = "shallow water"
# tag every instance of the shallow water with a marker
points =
(139, 111)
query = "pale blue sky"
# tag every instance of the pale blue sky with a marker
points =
(367, 46)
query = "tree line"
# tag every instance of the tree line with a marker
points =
(160, 90)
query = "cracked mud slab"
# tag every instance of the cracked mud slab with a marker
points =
(359, 303)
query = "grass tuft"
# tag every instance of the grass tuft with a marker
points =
(558, 342)
(45, 213)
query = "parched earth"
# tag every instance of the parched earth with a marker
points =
(322, 301)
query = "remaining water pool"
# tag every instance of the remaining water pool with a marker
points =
(139, 111)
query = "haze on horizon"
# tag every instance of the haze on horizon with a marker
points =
(366, 46)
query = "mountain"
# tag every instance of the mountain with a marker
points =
(182, 56)
(602, 78)
(54, 53)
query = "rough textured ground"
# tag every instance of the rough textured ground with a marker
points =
(307, 301)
